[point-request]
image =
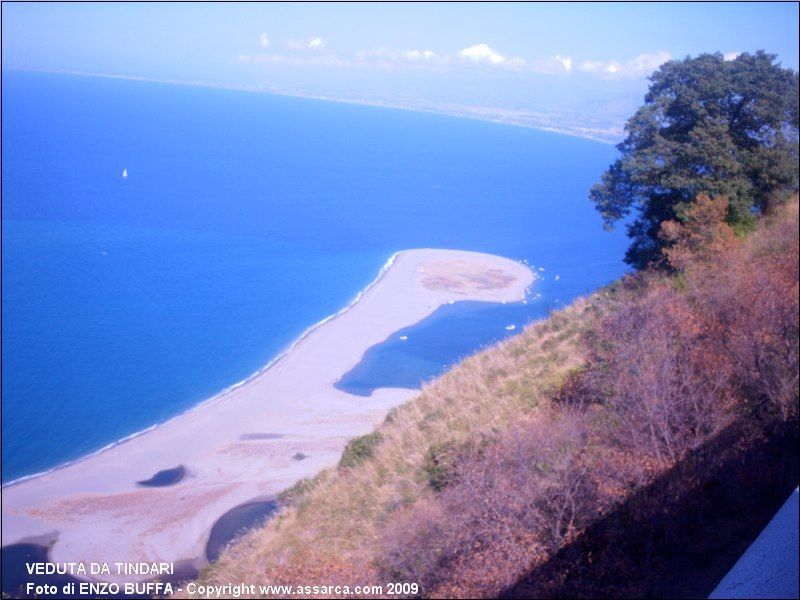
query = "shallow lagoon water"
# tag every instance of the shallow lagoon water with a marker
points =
(419, 353)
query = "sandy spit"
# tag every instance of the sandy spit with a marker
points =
(239, 446)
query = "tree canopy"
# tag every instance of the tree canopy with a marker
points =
(708, 126)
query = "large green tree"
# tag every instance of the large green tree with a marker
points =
(708, 125)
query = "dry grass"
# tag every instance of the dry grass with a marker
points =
(334, 523)
(463, 276)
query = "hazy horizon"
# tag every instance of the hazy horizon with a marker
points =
(580, 68)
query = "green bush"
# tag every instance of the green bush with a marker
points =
(439, 465)
(360, 449)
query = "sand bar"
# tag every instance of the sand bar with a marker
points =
(242, 445)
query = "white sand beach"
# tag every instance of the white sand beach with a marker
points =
(96, 512)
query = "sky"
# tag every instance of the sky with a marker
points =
(531, 56)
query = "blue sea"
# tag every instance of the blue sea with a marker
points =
(246, 218)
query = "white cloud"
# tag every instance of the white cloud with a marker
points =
(644, 64)
(601, 68)
(731, 55)
(566, 61)
(313, 51)
(419, 54)
(515, 63)
(263, 40)
(482, 52)
(387, 57)
(554, 65)
(641, 66)
(314, 43)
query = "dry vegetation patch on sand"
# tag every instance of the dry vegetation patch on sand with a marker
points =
(463, 277)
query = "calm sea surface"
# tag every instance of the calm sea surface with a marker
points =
(245, 218)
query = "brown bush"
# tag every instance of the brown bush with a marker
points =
(702, 237)
(755, 299)
(657, 363)
(678, 358)
(514, 496)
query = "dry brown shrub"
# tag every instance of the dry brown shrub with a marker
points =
(657, 363)
(678, 358)
(702, 237)
(755, 299)
(517, 496)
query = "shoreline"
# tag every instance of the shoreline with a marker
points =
(600, 137)
(246, 446)
(224, 392)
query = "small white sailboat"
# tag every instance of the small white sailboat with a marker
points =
(124, 173)
(510, 327)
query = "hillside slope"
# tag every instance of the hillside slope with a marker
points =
(629, 404)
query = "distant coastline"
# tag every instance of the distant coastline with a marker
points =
(537, 120)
